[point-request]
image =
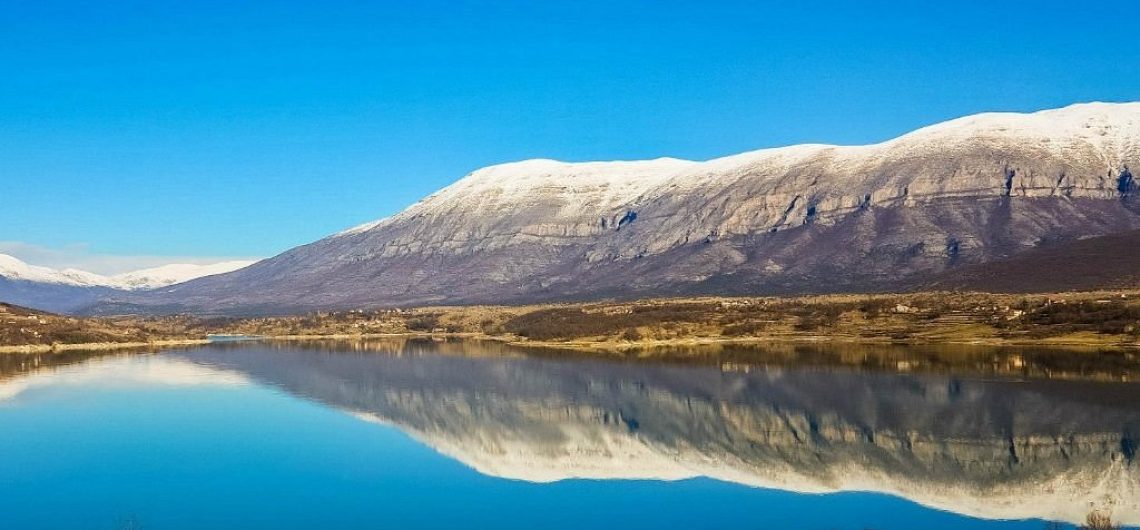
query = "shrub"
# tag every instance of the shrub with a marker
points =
(1112, 318)
(1099, 521)
(744, 329)
(631, 334)
(424, 323)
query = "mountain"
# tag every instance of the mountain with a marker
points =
(69, 289)
(800, 219)
(16, 270)
(13, 269)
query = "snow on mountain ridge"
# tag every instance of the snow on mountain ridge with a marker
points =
(594, 183)
(773, 189)
(1111, 130)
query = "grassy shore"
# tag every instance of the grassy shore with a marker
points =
(98, 346)
(1103, 319)
(644, 344)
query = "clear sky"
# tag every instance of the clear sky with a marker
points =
(153, 130)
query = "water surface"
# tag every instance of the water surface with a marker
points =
(422, 434)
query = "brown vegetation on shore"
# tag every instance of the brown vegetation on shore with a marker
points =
(1094, 318)
(1099, 521)
(23, 329)
(1101, 319)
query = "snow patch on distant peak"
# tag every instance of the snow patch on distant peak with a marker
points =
(166, 275)
(15, 269)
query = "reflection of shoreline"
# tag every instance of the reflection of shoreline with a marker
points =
(1009, 358)
(991, 448)
(15, 365)
(97, 346)
(642, 344)
(960, 360)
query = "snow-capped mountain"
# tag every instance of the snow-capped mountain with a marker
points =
(14, 269)
(151, 278)
(64, 290)
(806, 218)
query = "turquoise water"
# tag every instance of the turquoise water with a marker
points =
(416, 435)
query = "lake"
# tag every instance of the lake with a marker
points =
(459, 434)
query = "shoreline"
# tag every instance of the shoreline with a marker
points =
(621, 346)
(91, 346)
(1088, 320)
(99, 346)
(605, 346)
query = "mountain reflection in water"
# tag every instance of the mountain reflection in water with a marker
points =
(980, 445)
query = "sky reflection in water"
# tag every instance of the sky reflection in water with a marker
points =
(418, 436)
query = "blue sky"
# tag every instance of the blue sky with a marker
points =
(135, 132)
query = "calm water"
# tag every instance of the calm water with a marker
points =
(416, 434)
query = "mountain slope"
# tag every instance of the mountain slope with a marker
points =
(809, 218)
(1104, 262)
(67, 290)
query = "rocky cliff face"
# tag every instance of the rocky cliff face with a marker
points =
(986, 448)
(807, 218)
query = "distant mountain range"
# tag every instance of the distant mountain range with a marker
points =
(903, 214)
(70, 289)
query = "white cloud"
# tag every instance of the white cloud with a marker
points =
(79, 256)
